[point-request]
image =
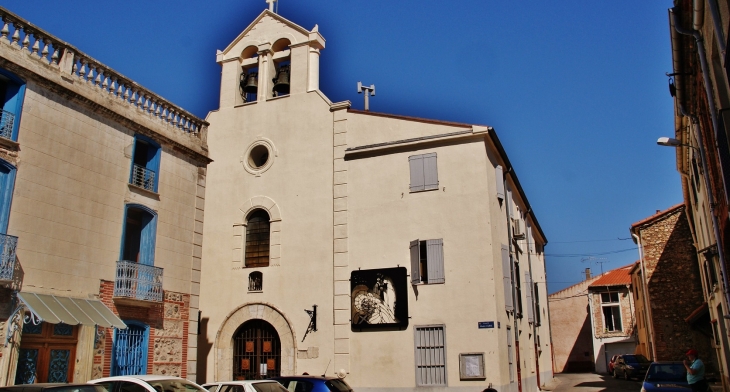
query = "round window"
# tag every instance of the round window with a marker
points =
(259, 156)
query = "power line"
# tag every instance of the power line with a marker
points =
(588, 254)
(574, 242)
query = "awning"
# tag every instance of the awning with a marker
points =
(72, 311)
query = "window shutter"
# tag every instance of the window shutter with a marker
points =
(499, 174)
(415, 268)
(510, 202)
(507, 279)
(528, 236)
(147, 240)
(536, 294)
(430, 171)
(528, 294)
(435, 260)
(417, 179)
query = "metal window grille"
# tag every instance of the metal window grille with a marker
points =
(430, 355)
(257, 240)
(510, 356)
(130, 351)
(256, 350)
(58, 366)
(7, 119)
(143, 177)
(27, 364)
(255, 281)
(8, 244)
(134, 280)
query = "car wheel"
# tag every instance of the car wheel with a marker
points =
(615, 374)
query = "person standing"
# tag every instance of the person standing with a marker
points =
(695, 372)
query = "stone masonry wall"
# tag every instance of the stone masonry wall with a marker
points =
(673, 283)
(627, 312)
(168, 335)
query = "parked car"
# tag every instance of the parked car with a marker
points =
(146, 383)
(52, 387)
(307, 383)
(245, 386)
(611, 364)
(665, 377)
(631, 366)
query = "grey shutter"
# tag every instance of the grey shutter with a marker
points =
(507, 279)
(528, 294)
(435, 260)
(499, 174)
(528, 236)
(415, 263)
(417, 179)
(430, 171)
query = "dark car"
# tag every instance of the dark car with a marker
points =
(313, 384)
(52, 387)
(665, 377)
(631, 366)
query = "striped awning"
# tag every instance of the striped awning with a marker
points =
(72, 311)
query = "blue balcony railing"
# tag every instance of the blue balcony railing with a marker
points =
(8, 244)
(143, 177)
(7, 120)
(138, 281)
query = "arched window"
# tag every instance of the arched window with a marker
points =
(255, 281)
(138, 241)
(12, 89)
(257, 239)
(130, 348)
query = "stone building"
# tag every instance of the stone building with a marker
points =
(612, 316)
(397, 252)
(101, 214)
(667, 289)
(571, 327)
(699, 83)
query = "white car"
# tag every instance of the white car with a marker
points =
(147, 383)
(245, 386)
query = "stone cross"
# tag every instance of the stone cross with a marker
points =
(271, 4)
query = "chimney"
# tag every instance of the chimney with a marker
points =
(588, 273)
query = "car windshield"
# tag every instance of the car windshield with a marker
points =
(636, 358)
(337, 386)
(666, 372)
(174, 385)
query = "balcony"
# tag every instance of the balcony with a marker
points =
(8, 244)
(143, 177)
(7, 119)
(137, 284)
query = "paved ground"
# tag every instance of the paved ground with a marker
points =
(591, 382)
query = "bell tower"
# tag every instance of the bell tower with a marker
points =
(273, 57)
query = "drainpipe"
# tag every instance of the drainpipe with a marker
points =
(647, 306)
(711, 202)
(507, 209)
(717, 24)
(708, 85)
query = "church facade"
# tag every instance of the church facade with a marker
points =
(391, 251)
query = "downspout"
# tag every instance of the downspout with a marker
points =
(698, 14)
(717, 24)
(708, 86)
(507, 209)
(647, 306)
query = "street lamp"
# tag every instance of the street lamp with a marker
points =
(670, 142)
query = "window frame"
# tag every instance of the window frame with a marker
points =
(443, 347)
(246, 235)
(423, 169)
(146, 343)
(433, 261)
(7, 187)
(18, 98)
(152, 164)
(149, 258)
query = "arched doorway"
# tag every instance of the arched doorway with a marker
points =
(256, 351)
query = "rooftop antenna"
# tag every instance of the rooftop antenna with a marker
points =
(271, 5)
(597, 260)
(369, 91)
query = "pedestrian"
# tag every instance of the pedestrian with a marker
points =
(695, 372)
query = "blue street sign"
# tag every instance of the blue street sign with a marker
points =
(486, 324)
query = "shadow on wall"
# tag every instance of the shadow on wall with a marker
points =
(204, 347)
(580, 359)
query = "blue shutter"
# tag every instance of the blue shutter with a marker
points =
(435, 260)
(129, 351)
(415, 263)
(147, 240)
(7, 184)
(153, 163)
(430, 172)
(13, 101)
(417, 180)
(507, 279)
(499, 175)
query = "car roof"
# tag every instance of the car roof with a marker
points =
(143, 377)
(306, 377)
(238, 382)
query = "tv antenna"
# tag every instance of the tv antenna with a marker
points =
(597, 260)
(369, 91)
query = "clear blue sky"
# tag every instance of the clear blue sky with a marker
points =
(576, 90)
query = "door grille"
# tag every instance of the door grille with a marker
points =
(256, 343)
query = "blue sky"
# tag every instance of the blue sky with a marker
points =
(575, 90)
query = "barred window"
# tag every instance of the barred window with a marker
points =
(255, 281)
(430, 355)
(257, 239)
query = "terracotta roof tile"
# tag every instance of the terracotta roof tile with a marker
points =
(617, 277)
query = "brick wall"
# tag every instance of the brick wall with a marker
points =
(673, 284)
(168, 338)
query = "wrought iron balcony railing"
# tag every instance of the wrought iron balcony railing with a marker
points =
(8, 244)
(143, 177)
(138, 281)
(7, 119)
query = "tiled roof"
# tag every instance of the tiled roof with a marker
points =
(657, 215)
(617, 277)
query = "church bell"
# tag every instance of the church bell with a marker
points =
(281, 81)
(249, 83)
